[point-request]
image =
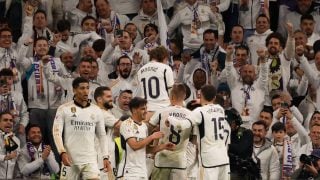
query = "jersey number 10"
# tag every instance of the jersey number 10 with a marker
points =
(147, 86)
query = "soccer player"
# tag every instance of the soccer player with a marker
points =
(177, 129)
(80, 121)
(214, 133)
(103, 97)
(156, 79)
(134, 139)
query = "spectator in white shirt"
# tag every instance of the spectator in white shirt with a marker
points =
(83, 9)
(37, 159)
(307, 25)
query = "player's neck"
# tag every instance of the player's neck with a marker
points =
(206, 103)
(81, 102)
(101, 106)
(136, 120)
(177, 103)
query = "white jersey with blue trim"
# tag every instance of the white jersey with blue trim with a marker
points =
(177, 128)
(214, 134)
(133, 162)
(155, 79)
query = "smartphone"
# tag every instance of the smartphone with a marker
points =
(3, 82)
(284, 105)
(119, 33)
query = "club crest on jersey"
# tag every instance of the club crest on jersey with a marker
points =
(74, 110)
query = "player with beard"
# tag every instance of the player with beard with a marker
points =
(103, 97)
(125, 79)
(264, 153)
(247, 93)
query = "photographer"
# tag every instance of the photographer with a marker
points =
(310, 166)
(240, 149)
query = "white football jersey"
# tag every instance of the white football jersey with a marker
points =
(133, 163)
(109, 122)
(177, 128)
(214, 134)
(80, 126)
(155, 79)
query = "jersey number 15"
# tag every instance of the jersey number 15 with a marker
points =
(218, 128)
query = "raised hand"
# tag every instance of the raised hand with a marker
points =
(229, 52)
(137, 58)
(45, 59)
(289, 27)
(262, 54)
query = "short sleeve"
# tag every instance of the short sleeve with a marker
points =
(127, 129)
(155, 119)
(196, 116)
(109, 119)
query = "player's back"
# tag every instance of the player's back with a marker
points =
(214, 134)
(177, 128)
(155, 79)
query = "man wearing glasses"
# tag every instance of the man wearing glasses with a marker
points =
(9, 56)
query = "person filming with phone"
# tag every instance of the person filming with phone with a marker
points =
(283, 109)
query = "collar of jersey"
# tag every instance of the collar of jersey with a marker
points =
(77, 104)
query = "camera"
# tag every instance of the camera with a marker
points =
(245, 166)
(307, 159)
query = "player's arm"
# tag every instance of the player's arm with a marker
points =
(136, 145)
(101, 134)
(167, 146)
(57, 130)
(153, 122)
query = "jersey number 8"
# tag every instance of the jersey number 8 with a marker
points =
(174, 137)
